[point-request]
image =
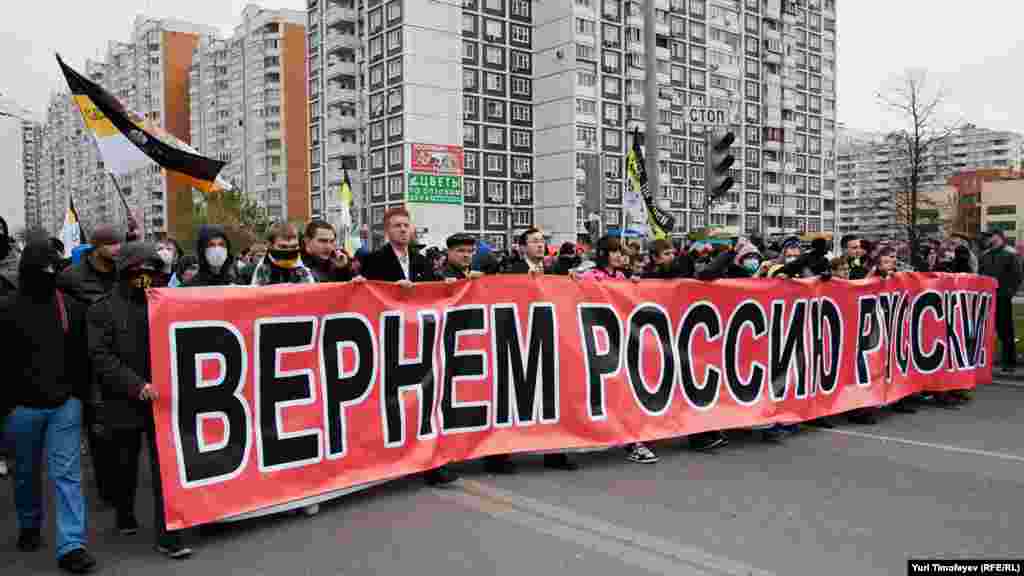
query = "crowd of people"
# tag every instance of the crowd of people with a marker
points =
(81, 362)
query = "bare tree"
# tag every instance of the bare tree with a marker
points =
(915, 149)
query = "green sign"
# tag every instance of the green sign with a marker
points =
(431, 189)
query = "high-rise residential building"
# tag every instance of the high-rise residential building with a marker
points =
(548, 95)
(31, 144)
(771, 64)
(248, 96)
(150, 75)
(873, 174)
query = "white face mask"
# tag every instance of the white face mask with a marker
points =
(790, 259)
(216, 256)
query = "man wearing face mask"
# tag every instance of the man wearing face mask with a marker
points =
(88, 281)
(216, 265)
(42, 364)
(118, 330)
(283, 262)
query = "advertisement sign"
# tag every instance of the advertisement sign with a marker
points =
(437, 159)
(429, 189)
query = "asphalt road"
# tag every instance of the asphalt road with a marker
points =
(856, 500)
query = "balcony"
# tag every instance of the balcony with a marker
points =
(340, 122)
(335, 95)
(337, 15)
(341, 68)
(772, 145)
(338, 148)
(336, 40)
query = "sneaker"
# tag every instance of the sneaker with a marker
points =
(823, 422)
(902, 407)
(30, 540)
(708, 441)
(78, 561)
(440, 476)
(639, 453)
(499, 465)
(560, 462)
(790, 428)
(173, 548)
(311, 510)
(128, 527)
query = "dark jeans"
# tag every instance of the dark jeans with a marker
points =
(125, 446)
(1005, 329)
(104, 457)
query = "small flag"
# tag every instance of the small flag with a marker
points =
(345, 220)
(127, 141)
(71, 235)
(659, 222)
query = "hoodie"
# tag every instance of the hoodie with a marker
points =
(207, 276)
(44, 363)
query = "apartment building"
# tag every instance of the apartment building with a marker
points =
(31, 142)
(248, 96)
(770, 63)
(873, 170)
(455, 77)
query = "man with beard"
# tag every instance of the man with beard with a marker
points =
(397, 262)
(43, 363)
(283, 263)
(118, 331)
(216, 264)
(320, 252)
(89, 281)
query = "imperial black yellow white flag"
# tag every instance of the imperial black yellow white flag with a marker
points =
(127, 141)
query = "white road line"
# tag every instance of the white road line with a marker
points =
(945, 447)
(638, 549)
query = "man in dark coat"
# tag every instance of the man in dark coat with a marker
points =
(320, 245)
(1000, 263)
(566, 261)
(216, 263)
(396, 262)
(533, 248)
(42, 362)
(119, 348)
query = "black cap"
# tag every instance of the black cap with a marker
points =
(461, 239)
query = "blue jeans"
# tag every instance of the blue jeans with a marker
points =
(58, 432)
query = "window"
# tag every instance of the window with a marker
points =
(395, 156)
(471, 216)
(612, 113)
(394, 99)
(494, 30)
(611, 35)
(495, 110)
(377, 160)
(585, 79)
(469, 24)
(520, 34)
(394, 40)
(521, 138)
(469, 135)
(584, 106)
(470, 161)
(470, 106)
(584, 26)
(520, 62)
(494, 55)
(698, 32)
(521, 113)
(395, 126)
(394, 68)
(520, 86)
(521, 193)
(584, 52)
(494, 82)
(496, 5)
(612, 139)
(495, 136)
(394, 11)
(496, 192)
(521, 8)
(469, 81)
(521, 165)
(612, 85)
(611, 61)
(495, 216)
(377, 74)
(697, 79)
(495, 163)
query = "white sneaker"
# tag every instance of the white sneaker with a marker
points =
(639, 453)
(311, 510)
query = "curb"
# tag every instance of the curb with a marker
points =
(1011, 382)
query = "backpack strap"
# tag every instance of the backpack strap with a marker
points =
(62, 312)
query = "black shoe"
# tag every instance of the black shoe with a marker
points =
(945, 402)
(128, 527)
(30, 540)
(78, 561)
(560, 462)
(173, 548)
(499, 465)
(902, 407)
(708, 441)
(440, 476)
(772, 435)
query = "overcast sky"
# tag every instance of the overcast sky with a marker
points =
(974, 51)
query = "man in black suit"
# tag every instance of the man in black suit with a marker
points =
(534, 249)
(396, 262)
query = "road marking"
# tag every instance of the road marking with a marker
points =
(909, 442)
(638, 549)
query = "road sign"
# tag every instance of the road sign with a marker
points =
(705, 116)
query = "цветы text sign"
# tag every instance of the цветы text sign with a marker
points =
(268, 395)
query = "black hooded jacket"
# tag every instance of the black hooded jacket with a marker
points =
(45, 351)
(228, 273)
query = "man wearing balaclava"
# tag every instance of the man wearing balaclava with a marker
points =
(118, 331)
(283, 262)
(216, 264)
(42, 366)
(88, 281)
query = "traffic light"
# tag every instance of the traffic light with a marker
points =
(718, 160)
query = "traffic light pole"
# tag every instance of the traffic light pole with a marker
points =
(651, 101)
(707, 195)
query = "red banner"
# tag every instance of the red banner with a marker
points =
(270, 395)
